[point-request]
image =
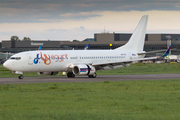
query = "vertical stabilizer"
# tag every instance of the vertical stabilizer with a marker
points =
(168, 50)
(136, 42)
(87, 47)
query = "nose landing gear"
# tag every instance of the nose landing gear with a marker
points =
(19, 73)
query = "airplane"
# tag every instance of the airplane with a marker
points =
(168, 50)
(81, 62)
(87, 47)
(39, 48)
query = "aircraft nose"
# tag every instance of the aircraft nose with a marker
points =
(7, 64)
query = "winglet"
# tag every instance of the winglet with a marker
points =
(87, 47)
(167, 52)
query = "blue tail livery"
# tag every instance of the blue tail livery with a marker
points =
(87, 47)
(167, 52)
(39, 48)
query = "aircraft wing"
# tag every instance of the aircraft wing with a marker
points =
(120, 62)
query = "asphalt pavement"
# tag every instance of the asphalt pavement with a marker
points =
(53, 79)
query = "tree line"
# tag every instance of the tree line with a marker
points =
(16, 38)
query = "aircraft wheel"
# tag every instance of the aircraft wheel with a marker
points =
(20, 77)
(70, 75)
(92, 76)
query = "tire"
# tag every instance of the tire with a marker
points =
(92, 76)
(20, 77)
(70, 75)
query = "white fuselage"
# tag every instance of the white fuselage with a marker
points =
(60, 60)
(80, 62)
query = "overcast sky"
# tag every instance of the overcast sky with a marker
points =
(80, 19)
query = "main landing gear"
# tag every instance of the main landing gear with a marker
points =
(70, 75)
(18, 73)
(92, 76)
(20, 77)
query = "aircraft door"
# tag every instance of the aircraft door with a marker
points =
(130, 55)
(79, 58)
(30, 59)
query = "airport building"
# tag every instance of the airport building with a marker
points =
(100, 41)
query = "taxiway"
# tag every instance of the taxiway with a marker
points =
(53, 79)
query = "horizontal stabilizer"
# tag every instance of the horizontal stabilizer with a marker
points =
(158, 51)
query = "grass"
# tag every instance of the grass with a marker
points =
(138, 68)
(132, 100)
(142, 68)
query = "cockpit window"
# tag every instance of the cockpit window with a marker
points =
(15, 58)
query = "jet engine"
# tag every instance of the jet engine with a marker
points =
(47, 73)
(83, 69)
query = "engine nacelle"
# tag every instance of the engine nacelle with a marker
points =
(83, 69)
(47, 73)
